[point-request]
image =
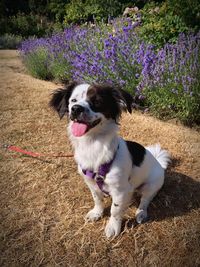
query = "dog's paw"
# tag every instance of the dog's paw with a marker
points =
(141, 216)
(94, 215)
(113, 227)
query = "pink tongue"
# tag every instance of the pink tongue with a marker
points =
(79, 129)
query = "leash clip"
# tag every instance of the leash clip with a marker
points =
(6, 146)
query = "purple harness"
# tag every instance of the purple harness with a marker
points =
(100, 176)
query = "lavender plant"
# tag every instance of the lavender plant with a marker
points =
(102, 54)
(172, 86)
(167, 81)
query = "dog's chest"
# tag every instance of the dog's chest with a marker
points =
(90, 155)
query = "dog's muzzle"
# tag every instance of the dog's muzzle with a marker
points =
(76, 111)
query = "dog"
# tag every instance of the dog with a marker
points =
(109, 164)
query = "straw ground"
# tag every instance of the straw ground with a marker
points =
(43, 201)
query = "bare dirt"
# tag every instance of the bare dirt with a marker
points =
(43, 201)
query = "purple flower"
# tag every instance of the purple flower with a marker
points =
(117, 55)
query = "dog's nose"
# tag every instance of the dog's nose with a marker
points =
(77, 110)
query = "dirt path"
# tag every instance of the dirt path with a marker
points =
(43, 202)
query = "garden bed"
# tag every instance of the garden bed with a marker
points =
(164, 81)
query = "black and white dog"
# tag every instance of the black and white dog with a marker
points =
(109, 164)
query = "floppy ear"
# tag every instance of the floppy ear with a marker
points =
(60, 99)
(126, 100)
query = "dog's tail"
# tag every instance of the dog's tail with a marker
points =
(162, 156)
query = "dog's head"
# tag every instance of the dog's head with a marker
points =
(90, 106)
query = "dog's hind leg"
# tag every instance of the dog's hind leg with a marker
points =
(148, 192)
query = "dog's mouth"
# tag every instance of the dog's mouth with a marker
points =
(79, 128)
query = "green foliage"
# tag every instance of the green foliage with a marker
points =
(60, 69)
(38, 64)
(39, 18)
(160, 24)
(10, 41)
(76, 12)
(167, 82)
(42, 65)
(56, 10)
(26, 25)
(23, 24)
(39, 7)
(82, 11)
(177, 94)
(188, 10)
(165, 104)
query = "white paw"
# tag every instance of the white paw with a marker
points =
(113, 227)
(141, 215)
(94, 214)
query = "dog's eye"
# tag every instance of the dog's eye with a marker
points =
(73, 100)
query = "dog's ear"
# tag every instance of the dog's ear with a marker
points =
(60, 98)
(126, 100)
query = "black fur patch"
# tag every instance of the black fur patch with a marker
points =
(109, 101)
(60, 98)
(137, 152)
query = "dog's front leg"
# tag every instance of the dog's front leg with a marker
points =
(120, 202)
(97, 212)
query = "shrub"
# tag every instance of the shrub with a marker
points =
(45, 57)
(188, 11)
(161, 24)
(90, 10)
(172, 87)
(166, 81)
(59, 68)
(26, 25)
(37, 63)
(113, 54)
(10, 41)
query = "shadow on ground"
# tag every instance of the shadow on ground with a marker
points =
(179, 195)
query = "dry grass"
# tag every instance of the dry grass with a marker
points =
(43, 202)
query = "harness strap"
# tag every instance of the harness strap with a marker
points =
(100, 175)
